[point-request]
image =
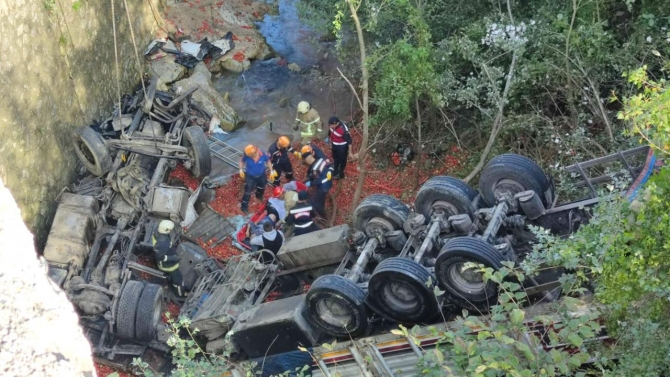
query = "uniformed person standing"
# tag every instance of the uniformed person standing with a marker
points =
(279, 157)
(341, 141)
(319, 175)
(166, 256)
(252, 169)
(309, 122)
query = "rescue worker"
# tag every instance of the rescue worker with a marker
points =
(252, 169)
(166, 256)
(301, 216)
(340, 140)
(279, 157)
(319, 175)
(271, 239)
(313, 149)
(309, 122)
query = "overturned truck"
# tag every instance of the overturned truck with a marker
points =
(364, 279)
(105, 221)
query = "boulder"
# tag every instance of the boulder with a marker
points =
(167, 71)
(209, 98)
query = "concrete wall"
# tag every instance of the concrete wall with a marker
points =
(57, 73)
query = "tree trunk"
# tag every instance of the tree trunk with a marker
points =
(364, 91)
(497, 123)
(419, 149)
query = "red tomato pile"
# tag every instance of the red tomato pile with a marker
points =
(173, 309)
(104, 371)
(181, 174)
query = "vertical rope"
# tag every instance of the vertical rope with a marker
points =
(137, 55)
(116, 60)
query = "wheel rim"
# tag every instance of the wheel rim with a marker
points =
(400, 295)
(85, 152)
(466, 278)
(443, 207)
(507, 186)
(333, 312)
(378, 225)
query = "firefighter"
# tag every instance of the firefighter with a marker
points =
(166, 256)
(279, 157)
(319, 175)
(309, 122)
(301, 216)
(252, 169)
(340, 139)
(312, 149)
(271, 239)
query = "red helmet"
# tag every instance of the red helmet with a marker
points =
(277, 192)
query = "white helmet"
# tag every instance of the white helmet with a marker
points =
(303, 107)
(165, 227)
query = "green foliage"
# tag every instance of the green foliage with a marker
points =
(189, 359)
(49, 5)
(406, 71)
(502, 344)
(625, 252)
(647, 111)
(77, 4)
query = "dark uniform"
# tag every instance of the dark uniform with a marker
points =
(270, 244)
(302, 218)
(168, 261)
(319, 175)
(341, 140)
(279, 157)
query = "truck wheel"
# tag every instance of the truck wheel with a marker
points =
(446, 195)
(196, 141)
(149, 310)
(127, 307)
(336, 306)
(92, 151)
(380, 213)
(466, 285)
(511, 173)
(403, 291)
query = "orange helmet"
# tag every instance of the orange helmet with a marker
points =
(283, 142)
(277, 192)
(306, 149)
(250, 150)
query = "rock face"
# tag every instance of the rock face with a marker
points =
(236, 16)
(39, 330)
(167, 71)
(209, 98)
(57, 71)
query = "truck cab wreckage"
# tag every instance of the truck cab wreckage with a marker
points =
(384, 270)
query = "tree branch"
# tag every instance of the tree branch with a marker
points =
(497, 123)
(352, 87)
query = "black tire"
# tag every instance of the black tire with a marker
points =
(330, 292)
(149, 310)
(384, 211)
(92, 151)
(456, 197)
(469, 292)
(127, 307)
(395, 274)
(512, 173)
(195, 140)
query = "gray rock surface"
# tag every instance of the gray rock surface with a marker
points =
(167, 71)
(39, 329)
(209, 98)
